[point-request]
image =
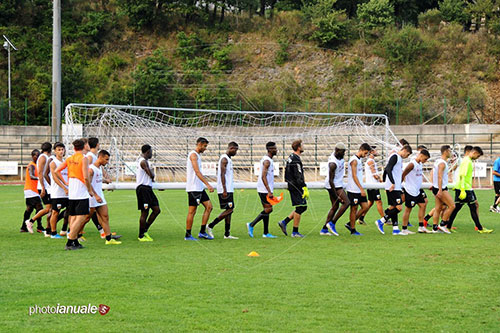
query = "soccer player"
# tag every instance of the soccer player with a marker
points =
(355, 190)
(58, 192)
(146, 198)
(440, 191)
(225, 190)
(413, 177)
(334, 184)
(393, 173)
(294, 176)
(496, 184)
(195, 188)
(98, 202)
(464, 193)
(372, 177)
(33, 200)
(43, 188)
(79, 192)
(91, 155)
(265, 188)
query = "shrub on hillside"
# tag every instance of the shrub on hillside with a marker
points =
(405, 46)
(330, 27)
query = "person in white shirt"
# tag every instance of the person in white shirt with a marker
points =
(334, 184)
(146, 198)
(413, 178)
(265, 188)
(91, 156)
(58, 192)
(440, 190)
(98, 203)
(372, 177)
(195, 188)
(225, 190)
(355, 188)
(393, 174)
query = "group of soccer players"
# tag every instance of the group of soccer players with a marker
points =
(71, 189)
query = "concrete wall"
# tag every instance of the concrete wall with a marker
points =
(401, 130)
(24, 130)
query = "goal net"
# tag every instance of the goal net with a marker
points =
(172, 132)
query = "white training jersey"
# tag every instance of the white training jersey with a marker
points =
(56, 191)
(40, 176)
(269, 176)
(338, 180)
(97, 186)
(369, 175)
(92, 156)
(397, 174)
(141, 177)
(413, 180)
(351, 185)
(435, 171)
(193, 183)
(228, 176)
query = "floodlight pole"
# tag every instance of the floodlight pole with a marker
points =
(8, 45)
(56, 71)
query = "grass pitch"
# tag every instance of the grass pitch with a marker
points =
(370, 283)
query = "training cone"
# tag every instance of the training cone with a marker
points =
(253, 254)
(275, 200)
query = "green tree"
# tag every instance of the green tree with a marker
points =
(331, 26)
(454, 11)
(375, 14)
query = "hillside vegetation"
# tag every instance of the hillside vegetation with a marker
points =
(416, 61)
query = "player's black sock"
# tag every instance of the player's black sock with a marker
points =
(443, 223)
(295, 229)
(227, 230)
(215, 222)
(38, 223)
(53, 233)
(362, 218)
(203, 228)
(394, 218)
(427, 217)
(420, 224)
(80, 235)
(96, 222)
(61, 215)
(69, 242)
(353, 231)
(265, 219)
(495, 202)
(258, 218)
(475, 217)
(188, 232)
(435, 227)
(287, 219)
(405, 227)
(324, 227)
(108, 237)
(454, 213)
(26, 216)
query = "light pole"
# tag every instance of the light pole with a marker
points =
(56, 71)
(8, 45)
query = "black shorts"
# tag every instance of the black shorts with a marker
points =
(296, 197)
(394, 197)
(469, 198)
(59, 203)
(356, 198)
(497, 187)
(33, 202)
(226, 203)
(411, 201)
(334, 192)
(435, 190)
(263, 199)
(373, 195)
(78, 207)
(46, 198)
(146, 197)
(423, 194)
(196, 198)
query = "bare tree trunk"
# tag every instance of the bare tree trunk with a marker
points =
(222, 12)
(262, 11)
(214, 13)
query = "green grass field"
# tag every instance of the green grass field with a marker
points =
(371, 283)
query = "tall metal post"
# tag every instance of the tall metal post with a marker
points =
(8, 45)
(56, 71)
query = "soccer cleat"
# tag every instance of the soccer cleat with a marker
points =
(112, 242)
(250, 230)
(297, 235)
(325, 232)
(397, 232)
(443, 229)
(268, 236)
(357, 233)
(82, 239)
(425, 222)
(494, 210)
(407, 232)
(190, 238)
(423, 230)
(23, 230)
(47, 233)
(73, 247)
(144, 239)
(204, 235)
(282, 226)
(56, 236)
(380, 226)
(29, 226)
(148, 237)
(435, 231)
(63, 233)
(210, 232)
(230, 237)
(332, 228)
(115, 236)
(40, 230)
(485, 231)
(361, 222)
(103, 235)
(410, 225)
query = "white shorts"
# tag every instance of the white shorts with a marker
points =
(93, 202)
